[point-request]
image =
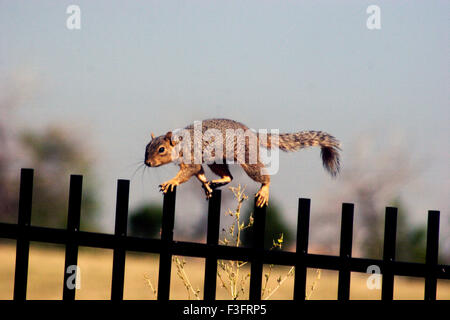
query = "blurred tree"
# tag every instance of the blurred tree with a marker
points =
(8, 189)
(10, 98)
(145, 221)
(275, 227)
(411, 240)
(371, 179)
(55, 153)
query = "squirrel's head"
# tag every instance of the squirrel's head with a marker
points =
(159, 150)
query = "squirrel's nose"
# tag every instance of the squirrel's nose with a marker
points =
(148, 163)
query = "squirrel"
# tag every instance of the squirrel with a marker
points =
(174, 147)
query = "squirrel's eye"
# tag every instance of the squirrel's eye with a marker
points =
(161, 150)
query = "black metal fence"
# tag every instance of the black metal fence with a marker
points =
(72, 238)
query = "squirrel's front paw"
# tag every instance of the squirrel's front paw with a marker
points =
(208, 190)
(168, 185)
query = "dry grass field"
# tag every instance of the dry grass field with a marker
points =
(47, 263)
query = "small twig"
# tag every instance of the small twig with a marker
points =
(314, 284)
(280, 282)
(149, 282)
(184, 277)
(266, 280)
(236, 282)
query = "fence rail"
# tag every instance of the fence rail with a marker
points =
(23, 232)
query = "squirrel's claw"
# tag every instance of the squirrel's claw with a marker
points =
(166, 186)
(208, 190)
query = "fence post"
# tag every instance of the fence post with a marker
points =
(345, 251)
(120, 232)
(73, 226)
(165, 257)
(431, 259)
(302, 248)
(212, 239)
(23, 243)
(259, 224)
(390, 233)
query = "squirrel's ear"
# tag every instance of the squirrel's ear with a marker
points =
(153, 136)
(168, 137)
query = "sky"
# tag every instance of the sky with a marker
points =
(137, 67)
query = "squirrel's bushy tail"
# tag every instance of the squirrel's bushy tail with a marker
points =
(299, 140)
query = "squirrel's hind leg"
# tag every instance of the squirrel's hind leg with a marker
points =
(222, 171)
(254, 171)
(205, 183)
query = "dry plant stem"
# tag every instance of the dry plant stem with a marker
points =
(233, 268)
(221, 280)
(280, 283)
(236, 282)
(149, 282)
(185, 279)
(314, 284)
(236, 264)
(276, 244)
(266, 280)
